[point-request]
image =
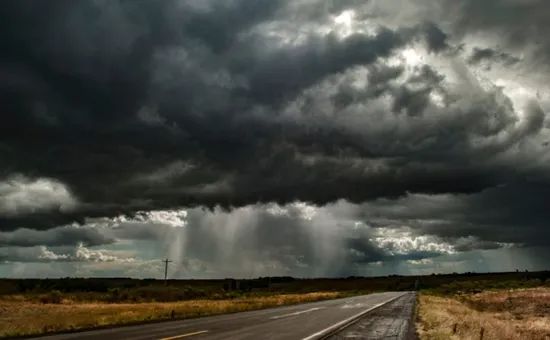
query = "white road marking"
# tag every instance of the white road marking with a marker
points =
(342, 323)
(184, 335)
(296, 313)
(356, 305)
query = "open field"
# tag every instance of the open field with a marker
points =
(26, 318)
(501, 314)
(51, 305)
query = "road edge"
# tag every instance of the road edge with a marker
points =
(412, 333)
(337, 327)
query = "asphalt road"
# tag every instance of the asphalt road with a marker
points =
(307, 321)
(392, 321)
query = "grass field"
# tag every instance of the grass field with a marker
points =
(33, 306)
(522, 314)
(43, 306)
(19, 316)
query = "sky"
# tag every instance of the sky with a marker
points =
(246, 138)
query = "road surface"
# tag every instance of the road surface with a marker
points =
(391, 321)
(308, 321)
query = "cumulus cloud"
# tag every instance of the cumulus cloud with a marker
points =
(80, 253)
(173, 218)
(85, 254)
(402, 242)
(20, 195)
(47, 255)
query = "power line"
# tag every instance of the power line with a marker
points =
(166, 261)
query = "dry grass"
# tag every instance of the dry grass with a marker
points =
(508, 314)
(21, 317)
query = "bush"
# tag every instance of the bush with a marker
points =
(155, 294)
(117, 295)
(52, 297)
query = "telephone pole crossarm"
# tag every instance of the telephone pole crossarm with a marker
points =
(166, 261)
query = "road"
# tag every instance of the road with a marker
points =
(393, 320)
(316, 320)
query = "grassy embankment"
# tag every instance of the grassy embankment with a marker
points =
(481, 310)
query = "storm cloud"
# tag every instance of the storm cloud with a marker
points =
(122, 120)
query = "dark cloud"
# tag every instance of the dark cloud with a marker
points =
(120, 108)
(436, 38)
(488, 54)
(61, 236)
(521, 23)
(514, 214)
(111, 92)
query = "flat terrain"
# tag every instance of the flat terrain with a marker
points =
(305, 321)
(21, 317)
(43, 306)
(505, 314)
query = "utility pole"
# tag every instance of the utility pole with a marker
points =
(166, 261)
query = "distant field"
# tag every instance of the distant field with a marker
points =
(43, 306)
(522, 314)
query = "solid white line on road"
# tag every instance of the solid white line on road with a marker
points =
(184, 335)
(296, 313)
(343, 323)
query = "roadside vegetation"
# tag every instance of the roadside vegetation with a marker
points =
(486, 310)
(32, 306)
(21, 317)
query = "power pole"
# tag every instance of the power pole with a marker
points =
(166, 261)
